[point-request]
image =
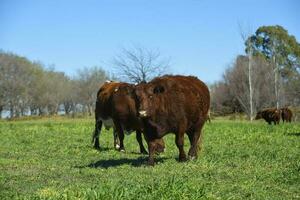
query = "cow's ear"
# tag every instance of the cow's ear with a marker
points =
(158, 89)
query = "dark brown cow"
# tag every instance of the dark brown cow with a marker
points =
(116, 107)
(269, 115)
(177, 104)
(286, 114)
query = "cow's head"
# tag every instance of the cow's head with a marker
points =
(123, 98)
(148, 98)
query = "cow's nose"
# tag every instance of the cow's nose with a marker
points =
(143, 113)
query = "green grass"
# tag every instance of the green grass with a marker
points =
(53, 159)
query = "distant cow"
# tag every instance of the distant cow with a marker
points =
(116, 107)
(286, 114)
(269, 115)
(177, 104)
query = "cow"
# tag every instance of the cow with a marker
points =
(116, 107)
(173, 104)
(286, 114)
(269, 115)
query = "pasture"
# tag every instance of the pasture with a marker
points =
(54, 159)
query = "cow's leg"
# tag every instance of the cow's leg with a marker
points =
(96, 134)
(159, 145)
(179, 140)
(120, 132)
(140, 141)
(116, 139)
(195, 140)
(191, 136)
(151, 148)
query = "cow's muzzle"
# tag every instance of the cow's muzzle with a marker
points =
(143, 113)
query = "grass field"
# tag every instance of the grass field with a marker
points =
(53, 159)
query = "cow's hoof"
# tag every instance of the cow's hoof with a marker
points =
(192, 157)
(117, 147)
(97, 147)
(182, 159)
(150, 163)
(122, 150)
(160, 150)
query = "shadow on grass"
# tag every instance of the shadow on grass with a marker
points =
(293, 134)
(118, 162)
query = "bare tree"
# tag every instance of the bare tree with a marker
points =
(262, 80)
(88, 82)
(223, 101)
(139, 64)
(245, 33)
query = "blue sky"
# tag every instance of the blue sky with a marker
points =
(200, 37)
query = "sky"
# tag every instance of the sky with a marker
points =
(200, 37)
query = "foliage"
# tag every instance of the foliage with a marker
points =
(275, 41)
(53, 159)
(28, 87)
(231, 94)
(275, 77)
(283, 51)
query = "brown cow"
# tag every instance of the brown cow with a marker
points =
(286, 114)
(116, 107)
(177, 104)
(269, 115)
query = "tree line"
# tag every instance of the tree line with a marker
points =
(268, 75)
(29, 88)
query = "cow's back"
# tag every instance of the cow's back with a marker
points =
(104, 107)
(271, 114)
(185, 100)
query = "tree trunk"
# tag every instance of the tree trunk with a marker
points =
(250, 85)
(11, 111)
(276, 71)
(90, 110)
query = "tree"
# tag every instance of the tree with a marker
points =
(223, 101)
(280, 49)
(89, 81)
(244, 35)
(28, 87)
(235, 86)
(69, 98)
(14, 82)
(139, 64)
